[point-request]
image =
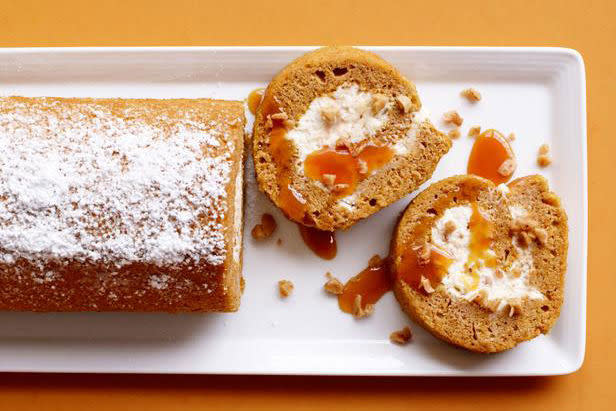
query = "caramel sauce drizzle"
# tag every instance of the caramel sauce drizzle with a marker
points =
(322, 243)
(254, 99)
(409, 269)
(281, 150)
(489, 151)
(348, 169)
(371, 283)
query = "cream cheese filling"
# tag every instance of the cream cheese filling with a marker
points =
(354, 121)
(498, 286)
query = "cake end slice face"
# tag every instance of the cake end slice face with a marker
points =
(339, 135)
(482, 266)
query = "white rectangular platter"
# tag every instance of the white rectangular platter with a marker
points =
(538, 93)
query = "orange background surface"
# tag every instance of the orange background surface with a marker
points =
(587, 26)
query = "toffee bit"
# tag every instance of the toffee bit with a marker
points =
(401, 337)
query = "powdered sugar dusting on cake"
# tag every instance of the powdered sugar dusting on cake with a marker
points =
(97, 182)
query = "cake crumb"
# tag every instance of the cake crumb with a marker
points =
(507, 168)
(511, 137)
(474, 131)
(425, 284)
(378, 103)
(455, 133)
(401, 337)
(333, 285)
(404, 103)
(452, 117)
(543, 158)
(265, 229)
(285, 288)
(358, 310)
(471, 95)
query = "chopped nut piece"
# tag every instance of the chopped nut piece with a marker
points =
(404, 103)
(507, 167)
(333, 285)
(358, 311)
(524, 239)
(452, 117)
(425, 284)
(269, 124)
(343, 142)
(339, 187)
(401, 337)
(515, 307)
(511, 137)
(378, 103)
(288, 123)
(493, 305)
(362, 166)
(265, 229)
(374, 261)
(356, 149)
(329, 180)
(542, 235)
(450, 227)
(481, 297)
(471, 95)
(455, 133)
(423, 254)
(474, 131)
(544, 160)
(285, 288)
(528, 230)
(544, 149)
(329, 114)
(279, 116)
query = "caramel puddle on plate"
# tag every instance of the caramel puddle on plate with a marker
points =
(371, 283)
(254, 99)
(322, 243)
(489, 151)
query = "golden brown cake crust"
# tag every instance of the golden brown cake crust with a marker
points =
(468, 324)
(320, 73)
(146, 273)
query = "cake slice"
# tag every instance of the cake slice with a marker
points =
(339, 135)
(120, 204)
(482, 266)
